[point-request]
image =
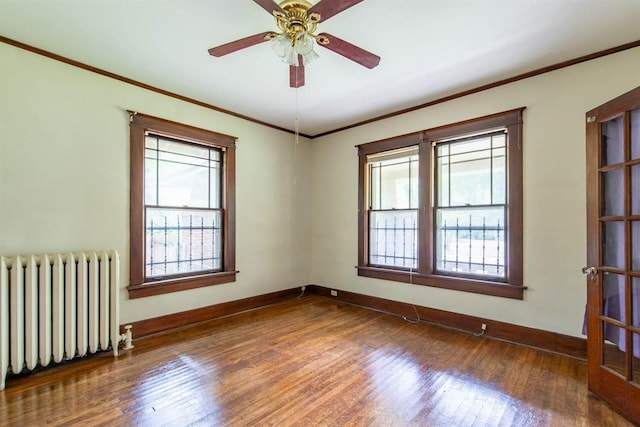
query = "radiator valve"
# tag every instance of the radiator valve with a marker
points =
(127, 338)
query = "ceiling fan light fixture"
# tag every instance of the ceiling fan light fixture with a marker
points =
(310, 57)
(281, 45)
(291, 58)
(288, 46)
(303, 43)
(297, 28)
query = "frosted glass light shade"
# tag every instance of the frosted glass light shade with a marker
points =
(310, 57)
(292, 58)
(281, 45)
(304, 43)
(287, 51)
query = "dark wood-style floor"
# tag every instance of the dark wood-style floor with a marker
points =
(312, 361)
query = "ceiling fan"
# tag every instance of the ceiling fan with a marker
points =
(297, 21)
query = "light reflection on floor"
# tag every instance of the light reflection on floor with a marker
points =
(399, 382)
(173, 394)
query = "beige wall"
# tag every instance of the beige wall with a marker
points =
(64, 185)
(554, 194)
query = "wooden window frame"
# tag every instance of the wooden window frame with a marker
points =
(513, 286)
(140, 125)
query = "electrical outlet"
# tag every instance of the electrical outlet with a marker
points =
(484, 326)
(303, 288)
(334, 293)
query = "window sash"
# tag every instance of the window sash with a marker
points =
(481, 158)
(182, 242)
(470, 233)
(473, 248)
(393, 238)
(179, 174)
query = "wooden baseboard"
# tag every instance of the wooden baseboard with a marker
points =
(545, 340)
(144, 328)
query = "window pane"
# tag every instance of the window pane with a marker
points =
(180, 241)
(499, 176)
(215, 186)
(612, 141)
(183, 185)
(183, 149)
(182, 175)
(413, 202)
(471, 241)
(394, 183)
(471, 171)
(151, 141)
(393, 238)
(374, 185)
(150, 178)
(443, 174)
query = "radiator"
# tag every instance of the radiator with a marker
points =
(57, 307)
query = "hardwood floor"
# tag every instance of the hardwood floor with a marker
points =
(312, 361)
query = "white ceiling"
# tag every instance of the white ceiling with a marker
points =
(429, 49)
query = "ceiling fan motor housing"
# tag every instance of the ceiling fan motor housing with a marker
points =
(295, 20)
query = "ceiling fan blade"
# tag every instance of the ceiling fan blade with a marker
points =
(236, 45)
(296, 74)
(348, 50)
(329, 8)
(269, 6)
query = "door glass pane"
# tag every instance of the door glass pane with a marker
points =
(613, 348)
(613, 296)
(613, 183)
(613, 244)
(635, 190)
(612, 141)
(635, 360)
(635, 301)
(635, 134)
(635, 245)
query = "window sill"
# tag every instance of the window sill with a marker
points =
(180, 284)
(504, 290)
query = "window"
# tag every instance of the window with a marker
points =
(470, 206)
(393, 196)
(443, 207)
(182, 207)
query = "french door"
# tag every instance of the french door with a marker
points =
(613, 253)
